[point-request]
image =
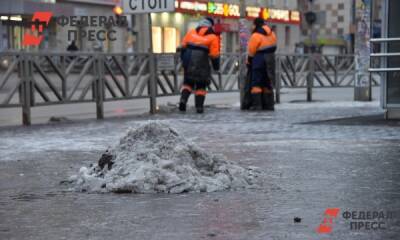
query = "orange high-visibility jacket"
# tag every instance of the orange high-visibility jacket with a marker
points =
(198, 46)
(260, 41)
(203, 38)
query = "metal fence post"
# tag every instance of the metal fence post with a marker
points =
(176, 87)
(25, 90)
(64, 78)
(294, 69)
(176, 70)
(126, 66)
(244, 35)
(220, 87)
(153, 83)
(310, 78)
(99, 68)
(278, 80)
(335, 71)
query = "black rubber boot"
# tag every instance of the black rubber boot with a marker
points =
(184, 99)
(256, 102)
(268, 101)
(199, 102)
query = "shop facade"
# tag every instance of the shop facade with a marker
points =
(14, 15)
(168, 29)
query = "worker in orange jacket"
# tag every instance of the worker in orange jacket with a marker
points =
(199, 46)
(261, 63)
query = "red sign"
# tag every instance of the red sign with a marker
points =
(40, 17)
(223, 27)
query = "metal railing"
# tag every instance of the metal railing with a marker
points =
(225, 80)
(385, 55)
(387, 66)
(41, 79)
(328, 70)
(317, 71)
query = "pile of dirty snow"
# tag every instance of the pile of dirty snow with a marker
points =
(155, 158)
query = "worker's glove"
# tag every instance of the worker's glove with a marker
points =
(182, 53)
(215, 63)
(249, 61)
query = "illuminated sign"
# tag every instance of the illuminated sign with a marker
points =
(233, 11)
(253, 12)
(209, 8)
(192, 6)
(223, 9)
(265, 14)
(279, 15)
(274, 15)
(295, 16)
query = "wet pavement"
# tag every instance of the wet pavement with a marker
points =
(313, 157)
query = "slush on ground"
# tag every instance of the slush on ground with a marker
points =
(226, 174)
(155, 158)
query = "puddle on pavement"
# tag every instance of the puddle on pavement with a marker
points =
(30, 197)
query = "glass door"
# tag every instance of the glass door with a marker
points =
(393, 31)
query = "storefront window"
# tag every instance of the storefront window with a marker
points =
(17, 37)
(178, 39)
(393, 81)
(170, 40)
(165, 40)
(157, 39)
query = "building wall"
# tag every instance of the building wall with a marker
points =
(288, 34)
(334, 22)
(336, 17)
(284, 4)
